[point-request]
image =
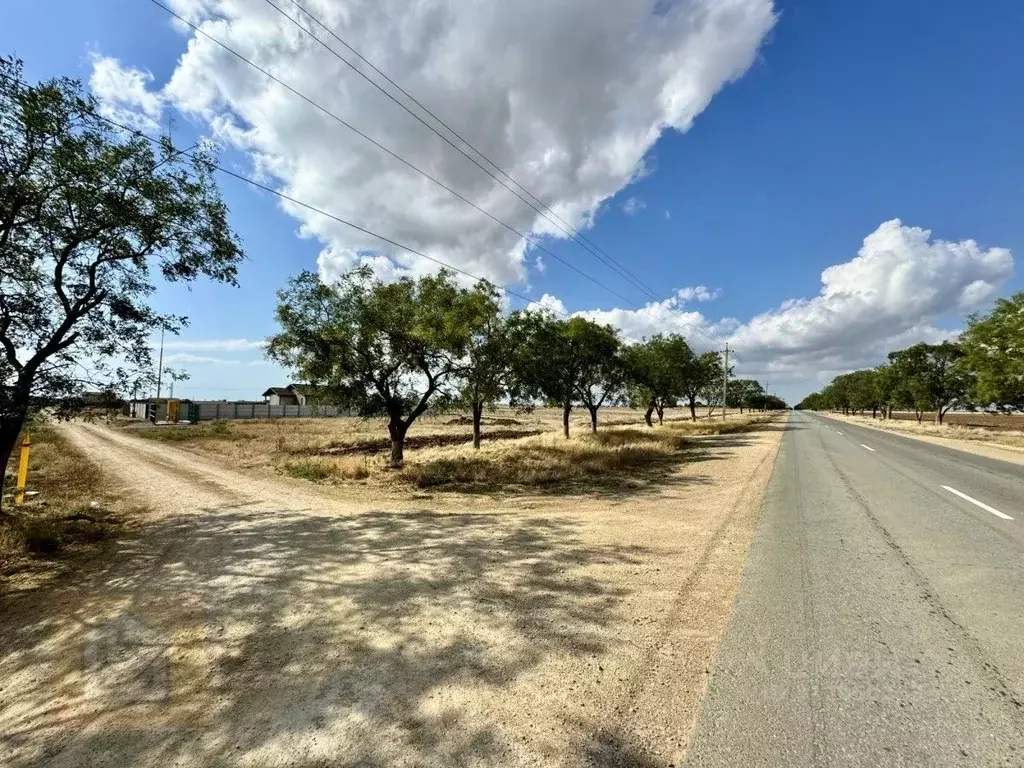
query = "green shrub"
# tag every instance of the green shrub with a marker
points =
(309, 469)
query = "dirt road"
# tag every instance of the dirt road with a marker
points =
(260, 623)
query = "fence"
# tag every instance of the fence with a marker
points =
(214, 410)
(205, 411)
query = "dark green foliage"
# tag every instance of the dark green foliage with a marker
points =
(383, 348)
(89, 217)
(993, 348)
(564, 362)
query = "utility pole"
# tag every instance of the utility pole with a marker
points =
(725, 381)
(160, 365)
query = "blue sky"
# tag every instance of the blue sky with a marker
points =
(850, 115)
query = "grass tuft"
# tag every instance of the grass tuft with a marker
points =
(308, 469)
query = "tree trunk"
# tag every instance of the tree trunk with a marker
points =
(874, 412)
(920, 415)
(661, 415)
(938, 416)
(566, 409)
(593, 417)
(889, 412)
(478, 412)
(647, 416)
(693, 409)
(10, 430)
(397, 430)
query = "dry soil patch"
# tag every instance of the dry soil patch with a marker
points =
(261, 623)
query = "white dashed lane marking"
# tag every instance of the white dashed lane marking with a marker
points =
(977, 503)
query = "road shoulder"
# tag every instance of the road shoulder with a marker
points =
(988, 450)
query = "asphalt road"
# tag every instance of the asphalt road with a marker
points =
(880, 620)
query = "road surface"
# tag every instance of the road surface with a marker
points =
(880, 620)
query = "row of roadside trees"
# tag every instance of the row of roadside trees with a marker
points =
(985, 365)
(93, 217)
(398, 349)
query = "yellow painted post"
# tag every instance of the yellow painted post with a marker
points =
(26, 446)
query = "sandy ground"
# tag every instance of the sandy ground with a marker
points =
(980, 448)
(260, 623)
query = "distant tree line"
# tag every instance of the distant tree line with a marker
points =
(398, 349)
(984, 366)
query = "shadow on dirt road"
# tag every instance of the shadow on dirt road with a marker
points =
(236, 637)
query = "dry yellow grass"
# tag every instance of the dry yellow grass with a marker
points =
(1004, 437)
(521, 451)
(74, 508)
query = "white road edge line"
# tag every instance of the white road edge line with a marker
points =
(838, 432)
(868, 447)
(977, 503)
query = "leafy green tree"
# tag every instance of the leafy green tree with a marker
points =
(487, 376)
(559, 360)
(884, 390)
(993, 347)
(87, 216)
(861, 387)
(602, 373)
(656, 371)
(384, 348)
(933, 377)
(703, 380)
(746, 393)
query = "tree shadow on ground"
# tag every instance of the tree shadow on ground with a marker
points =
(260, 638)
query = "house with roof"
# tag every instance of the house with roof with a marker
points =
(289, 395)
(296, 394)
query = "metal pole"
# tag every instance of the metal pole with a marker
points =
(160, 365)
(725, 380)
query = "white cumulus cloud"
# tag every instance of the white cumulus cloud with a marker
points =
(548, 303)
(889, 296)
(900, 281)
(125, 95)
(567, 100)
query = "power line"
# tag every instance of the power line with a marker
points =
(401, 159)
(391, 153)
(566, 228)
(544, 210)
(314, 209)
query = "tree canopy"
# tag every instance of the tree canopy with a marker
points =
(90, 216)
(383, 348)
(993, 348)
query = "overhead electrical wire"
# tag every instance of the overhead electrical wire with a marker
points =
(533, 202)
(393, 154)
(547, 212)
(396, 156)
(278, 193)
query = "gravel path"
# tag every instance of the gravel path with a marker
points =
(260, 623)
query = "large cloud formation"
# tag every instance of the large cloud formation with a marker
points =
(566, 96)
(889, 296)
